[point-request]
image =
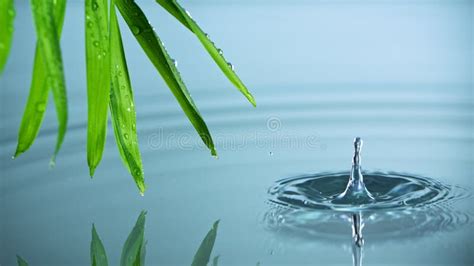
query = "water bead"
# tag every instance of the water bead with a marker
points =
(40, 107)
(135, 30)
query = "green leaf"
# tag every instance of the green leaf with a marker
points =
(21, 261)
(156, 52)
(122, 106)
(227, 68)
(7, 16)
(201, 258)
(98, 79)
(133, 252)
(47, 30)
(38, 97)
(98, 254)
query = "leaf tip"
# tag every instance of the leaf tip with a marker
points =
(214, 153)
(251, 99)
(91, 171)
(52, 162)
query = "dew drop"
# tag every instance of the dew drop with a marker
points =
(11, 12)
(40, 107)
(125, 136)
(120, 74)
(175, 62)
(187, 13)
(96, 43)
(136, 30)
(128, 109)
(122, 87)
(220, 51)
(138, 171)
(95, 6)
(230, 65)
(90, 24)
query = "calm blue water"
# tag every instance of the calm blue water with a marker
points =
(397, 73)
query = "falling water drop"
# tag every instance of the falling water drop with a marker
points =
(270, 153)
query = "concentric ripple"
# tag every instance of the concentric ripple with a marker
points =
(389, 191)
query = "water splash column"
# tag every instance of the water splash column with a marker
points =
(355, 192)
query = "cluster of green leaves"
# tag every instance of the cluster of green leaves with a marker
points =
(108, 81)
(134, 249)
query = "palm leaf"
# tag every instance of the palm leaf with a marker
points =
(7, 16)
(203, 254)
(122, 106)
(49, 46)
(156, 52)
(227, 68)
(133, 252)
(98, 79)
(98, 254)
(38, 97)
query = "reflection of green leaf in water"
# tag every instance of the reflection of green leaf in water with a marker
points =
(133, 252)
(98, 255)
(203, 254)
(21, 261)
(7, 16)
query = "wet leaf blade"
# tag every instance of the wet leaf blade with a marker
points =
(21, 261)
(35, 107)
(156, 52)
(7, 17)
(122, 107)
(98, 254)
(98, 79)
(203, 254)
(133, 250)
(49, 46)
(183, 16)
